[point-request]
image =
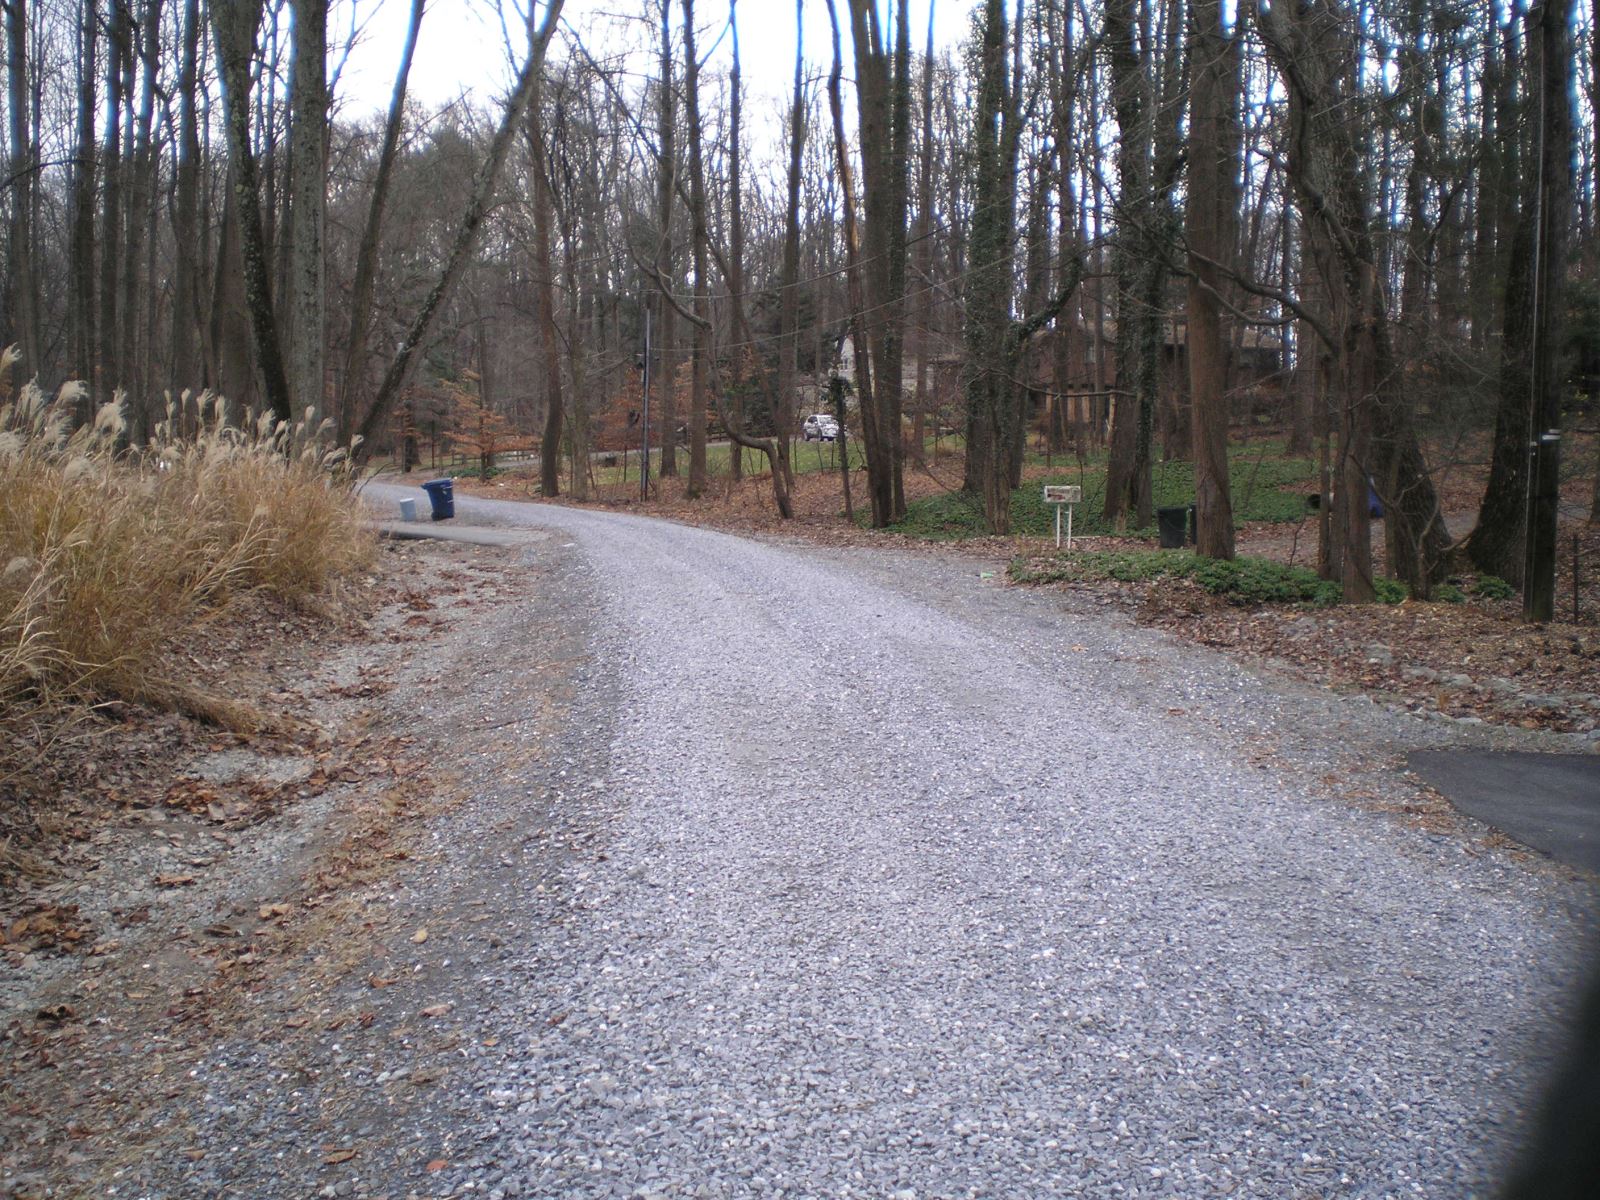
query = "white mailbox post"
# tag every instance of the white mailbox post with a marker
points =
(1063, 495)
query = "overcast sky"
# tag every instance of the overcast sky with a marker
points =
(462, 45)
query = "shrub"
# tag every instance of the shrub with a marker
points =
(1390, 591)
(1492, 587)
(1244, 581)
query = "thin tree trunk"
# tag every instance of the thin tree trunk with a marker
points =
(700, 361)
(736, 234)
(81, 308)
(111, 209)
(923, 245)
(308, 190)
(23, 298)
(855, 286)
(140, 216)
(354, 389)
(783, 414)
(666, 189)
(183, 368)
(544, 300)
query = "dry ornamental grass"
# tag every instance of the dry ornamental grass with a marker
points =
(110, 553)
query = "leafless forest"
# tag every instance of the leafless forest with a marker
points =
(1138, 226)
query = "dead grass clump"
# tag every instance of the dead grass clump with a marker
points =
(108, 555)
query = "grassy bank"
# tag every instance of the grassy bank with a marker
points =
(1260, 475)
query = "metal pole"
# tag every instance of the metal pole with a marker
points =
(1069, 529)
(644, 458)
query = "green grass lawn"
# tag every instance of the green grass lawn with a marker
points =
(1258, 472)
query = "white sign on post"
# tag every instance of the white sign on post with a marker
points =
(1061, 494)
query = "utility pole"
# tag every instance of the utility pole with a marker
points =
(1544, 404)
(644, 457)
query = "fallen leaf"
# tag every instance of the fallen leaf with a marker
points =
(377, 981)
(420, 936)
(437, 1164)
(268, 911)
(337, 1156)
(173, 881)
(436, 1010)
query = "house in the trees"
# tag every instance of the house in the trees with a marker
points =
(1076, 385)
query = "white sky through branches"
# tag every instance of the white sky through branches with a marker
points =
(463, 46)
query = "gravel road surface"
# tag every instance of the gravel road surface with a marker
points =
(910, 884)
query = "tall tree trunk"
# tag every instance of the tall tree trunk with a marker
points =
(23, 289)
(354, 385)
(113, 171)
(923, 246)
(1530, 379)
(883, 105)
(82, 311)
(1127, 472)
(1315, 54)
(992, 394)
(1211, 216)
(183, 367)
(700, 362)
(140, 216)
(233, 372)
(666, 189)
(854, 281)
(544, 301)
(736, 233)
(783, 410)
(1064, 101)
(235, 28)
(308, 189)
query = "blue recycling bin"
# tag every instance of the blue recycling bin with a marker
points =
(441, 494)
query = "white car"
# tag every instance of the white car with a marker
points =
(819, 427)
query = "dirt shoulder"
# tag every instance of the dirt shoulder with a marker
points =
(290, 899)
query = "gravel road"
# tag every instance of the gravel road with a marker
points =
(911, 884)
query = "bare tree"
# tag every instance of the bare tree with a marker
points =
(353, 391)
(467, 232)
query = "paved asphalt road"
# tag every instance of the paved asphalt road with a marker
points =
(918, 886)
